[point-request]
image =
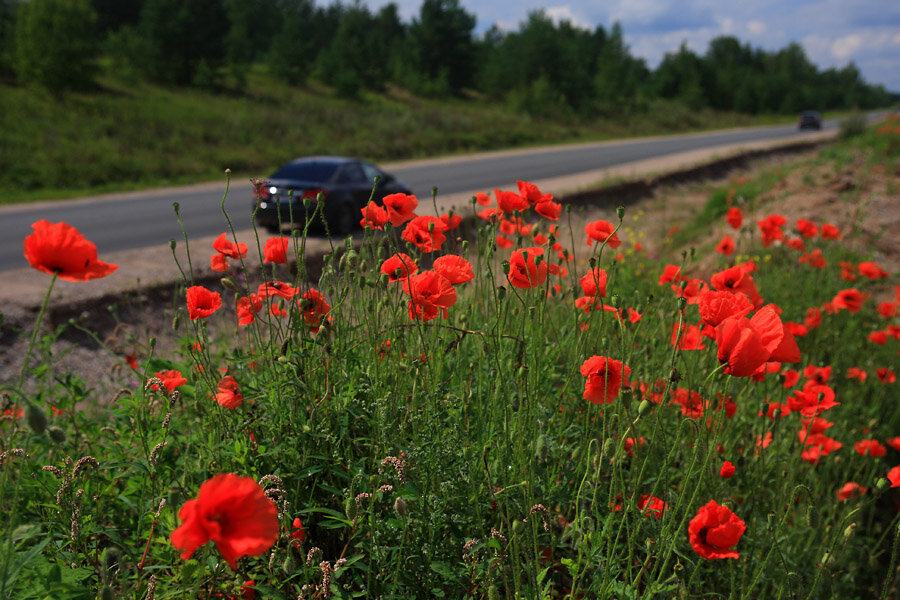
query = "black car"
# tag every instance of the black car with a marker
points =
(343, 186)
(810, 119)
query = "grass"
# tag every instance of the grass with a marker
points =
(467, 457)
(126, 136)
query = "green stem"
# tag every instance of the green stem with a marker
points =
(34, 334)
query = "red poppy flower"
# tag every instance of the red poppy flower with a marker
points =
(482, 199)
(314, 306)
(275, 250)
(548, 209)
(431, 293)
(526, 270)
(850, 490)
(851, 299)
(747, 344)
(715, 530)
(247, 307)
(652, 506)
(806, 228)
(869, 448)
(451, 221)
(878, 337)
(672, 273)
(594, 283)
(456, 269)
(373, 216)
(725, 246)
(171, 379)
(510, 202)
(734, 217)
(887, 309)
(856, 373)
(229, 394)
(280, 289)
(605, 377)
(727, 470)
(715, 306)
(231, 511)
(813, 259)
(738, 280)
(531, 193)
(812, 400)
(871, 270)
(886, 375)
(218, 263)
(491, 214)
(425, 232)
(894, 476)
(202, 302)
(770, 227)
(830, 232)
(399, 267)
(223, 245)
(400, 208)
(298, 534)
(58, 248)
(602, 231)
(503, 242)
(688, 338)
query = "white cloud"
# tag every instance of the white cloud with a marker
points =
(558, 14)
(756, 27)
(727, 25)
(844, 47)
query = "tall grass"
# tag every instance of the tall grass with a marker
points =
(460, 456)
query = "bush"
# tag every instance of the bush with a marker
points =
(853, 126)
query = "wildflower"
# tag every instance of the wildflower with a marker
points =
(298, 534)
(877, 337)
(373, 216)
(605, 377)
(231, 511)
(314, 307)
(738, 280)
(400, 208)
(850, 299)
(602, 231)
(451, 221)
(869, 448)
(806, 228)
(715, 306)
(510, 202)
(456, 269)
(727, 470)
(734, 217)
(425, 232)
(58, 248)
(594, 283)
(503, 242)
(223, 245)
(885, 375)
(276, 288)
(871, 270)
(482, 199)
(229, 394)
(526, 270)
(894, 476)
(652, 506)
(770, 228)
(830, 232)
(813, 259)
(431, 293)
(202, 302)
(856, 373)
(812, 400)
(726, 245)
(715, 530)
(672, 273)
(247, 307)
(171, 379)
(687, 337)
(850, 490)
(275, 250)
(747, 344)
(548, 209)
(399, 266)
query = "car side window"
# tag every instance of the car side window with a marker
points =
(372, 172)
(351, 173)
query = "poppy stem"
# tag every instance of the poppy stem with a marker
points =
(34, 334)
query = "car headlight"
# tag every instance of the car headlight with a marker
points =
(263, 204)
(273, 190)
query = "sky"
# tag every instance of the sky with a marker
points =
(831, 32)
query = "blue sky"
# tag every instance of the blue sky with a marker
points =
(832, 32)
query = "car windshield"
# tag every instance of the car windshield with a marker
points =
(308, 170)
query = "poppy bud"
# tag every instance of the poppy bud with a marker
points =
(228, 283)
(176, 207)
(593, 262)
(465, 246)
(501, 291)
(848, 531)
(36, 418)
(882, 484)
(644, 407)
(614, 300)
(692, 252)
(609, 447)
(172, 243)
(682, 303)
(431, 227)
(518, 527)
(540, 448)
(620, 212)
(57, 435)
(812, 516)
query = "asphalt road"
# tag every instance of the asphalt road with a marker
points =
(136, 220)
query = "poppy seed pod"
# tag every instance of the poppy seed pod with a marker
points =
(620, 212)
(57, 435)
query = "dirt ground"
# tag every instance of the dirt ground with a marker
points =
(864, 202)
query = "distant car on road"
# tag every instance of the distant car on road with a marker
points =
(810, 119)
(344, 186)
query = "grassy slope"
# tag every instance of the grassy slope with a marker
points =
(130, 136)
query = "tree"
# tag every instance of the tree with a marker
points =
(442, 50)
(55, 43)
(182, 39)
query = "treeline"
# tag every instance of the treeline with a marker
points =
(544, 68)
